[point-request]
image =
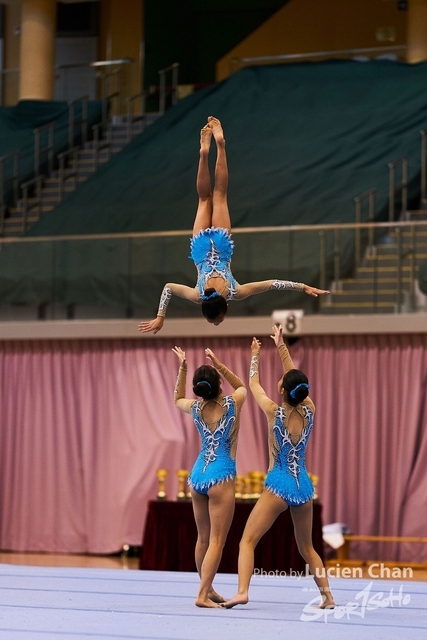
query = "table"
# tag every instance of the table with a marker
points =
(170, 537)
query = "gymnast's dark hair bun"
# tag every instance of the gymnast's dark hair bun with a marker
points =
(206, 382)
(290, 381)
(215, 307)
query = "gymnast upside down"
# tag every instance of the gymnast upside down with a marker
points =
(212, 247)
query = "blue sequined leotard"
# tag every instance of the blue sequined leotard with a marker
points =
(211, 251)
(215, 463)
(287, 478)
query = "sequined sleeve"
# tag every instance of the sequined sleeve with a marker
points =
(253, 371)
(252, 288)
(180, 290)
(262, 399)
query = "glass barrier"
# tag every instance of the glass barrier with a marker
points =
(369, 268)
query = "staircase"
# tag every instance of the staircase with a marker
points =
(386, 279)
(59, 185)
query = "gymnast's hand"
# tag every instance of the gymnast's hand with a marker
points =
(277, 335)
(153, 325)
(255, 346)
(212, 357)
(181, 354)
(312, 291)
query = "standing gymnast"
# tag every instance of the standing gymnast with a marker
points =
(287, 482)
(212, 247)
(212, 479)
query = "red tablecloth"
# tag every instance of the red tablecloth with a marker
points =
(170, 537)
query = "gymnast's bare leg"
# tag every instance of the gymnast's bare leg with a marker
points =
(261, 518)
(201, 516)
(220, 214)
(203, 218)
(259, 522)
(214, 514)
(302, 517)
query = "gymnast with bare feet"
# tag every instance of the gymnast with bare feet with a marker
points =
(212, 479)
(287, 483)
(212, 247)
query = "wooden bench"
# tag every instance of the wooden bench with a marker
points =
(344, 551)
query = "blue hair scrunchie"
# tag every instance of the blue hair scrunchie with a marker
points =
(204, 382)
(216, 294)
(303, 384)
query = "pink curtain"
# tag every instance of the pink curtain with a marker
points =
(86, 424)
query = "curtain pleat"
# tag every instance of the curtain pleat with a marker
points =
(85, 424)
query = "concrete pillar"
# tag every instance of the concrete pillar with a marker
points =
(11, 54)
(38, 31)
(417, 31)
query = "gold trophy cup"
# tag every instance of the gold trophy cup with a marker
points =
(182, 479)
(239, 487)
(161, 476)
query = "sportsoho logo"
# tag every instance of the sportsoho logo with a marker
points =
(364, 601)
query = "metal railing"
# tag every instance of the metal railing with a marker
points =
(34, 187)
(44, 150)
(64, 172)
(423, 134)
(101, 72)
(370, 197)
(82, 121)
(110, 96)
(399, 260)
(100, 144)
(237, 62)
(47, 131)
(132, 118)
(401, 188)
(166, 90)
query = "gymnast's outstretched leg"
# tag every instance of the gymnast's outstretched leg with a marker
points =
(201, 516)
(302, 517)
(221, 510)
(203, 218)
(220, 214)
(262, 517)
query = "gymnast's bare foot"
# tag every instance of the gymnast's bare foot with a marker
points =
(205, 140)
(215, 597)
(327, 603)
(239, 598)
(206, 603)
(217, 131)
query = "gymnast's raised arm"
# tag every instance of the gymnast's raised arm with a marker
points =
(252, 288)
(262, 399)
(284, 354)
(170, 289)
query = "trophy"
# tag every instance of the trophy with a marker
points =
(314, 479)
(246, 495)
(161, 476)
(257, 482)
(182, 479)
(239, 486)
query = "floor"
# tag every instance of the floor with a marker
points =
(42, 603)
(83, 597)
